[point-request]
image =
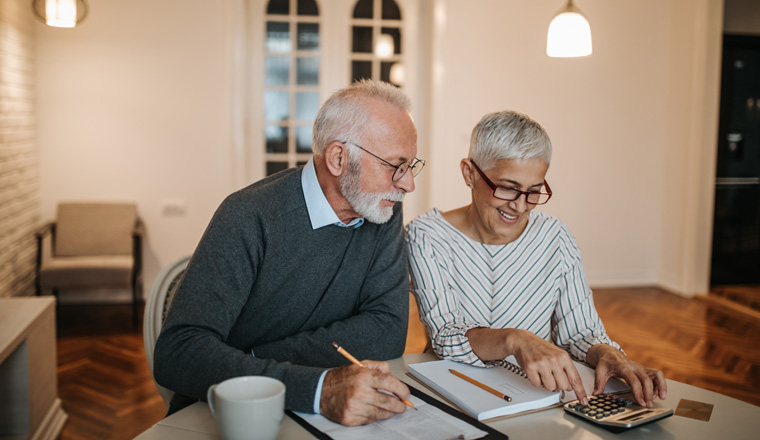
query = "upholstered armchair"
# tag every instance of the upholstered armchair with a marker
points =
(91, 245)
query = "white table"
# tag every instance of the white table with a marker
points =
(731, 419)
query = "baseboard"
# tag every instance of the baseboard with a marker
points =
(51, 426)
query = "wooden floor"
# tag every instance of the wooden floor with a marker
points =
(108, 393)
(103, 378)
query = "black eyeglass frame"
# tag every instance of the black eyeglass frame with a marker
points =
(519, 193)
(395, 177)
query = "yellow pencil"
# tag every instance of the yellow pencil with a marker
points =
(481, 385)
(355, 361)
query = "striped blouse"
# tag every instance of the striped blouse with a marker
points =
(536, 283)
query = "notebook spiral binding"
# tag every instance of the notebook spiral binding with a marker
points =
(512, 367)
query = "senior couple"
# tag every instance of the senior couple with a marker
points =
(318, 254)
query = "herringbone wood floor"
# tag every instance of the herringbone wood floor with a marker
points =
(103, 377)
(108, 392)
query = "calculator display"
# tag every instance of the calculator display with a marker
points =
(636, 416)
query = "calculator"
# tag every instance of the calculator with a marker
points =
(615, 413)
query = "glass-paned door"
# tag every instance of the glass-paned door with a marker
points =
(292, 49)
(376, 49)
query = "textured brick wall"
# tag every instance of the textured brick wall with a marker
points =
(19, 159)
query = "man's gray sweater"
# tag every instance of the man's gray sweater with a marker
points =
(262, 280)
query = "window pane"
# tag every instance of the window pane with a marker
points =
(396, 34)
(303, 138)
(308, 36)
(273, 167)
(278, 37)
(278, 7)
(390, 10)
(278, 71)
(307, 7)
(385, 71)
(307, 105)
(363, 9)
(276, 106)
(361, 69)
(307, 71)
(276, 139)
(362, 42)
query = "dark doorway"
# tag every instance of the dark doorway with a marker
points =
(736, 229)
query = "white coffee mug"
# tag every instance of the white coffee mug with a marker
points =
(248, 407)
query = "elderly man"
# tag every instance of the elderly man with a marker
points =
(303, 258)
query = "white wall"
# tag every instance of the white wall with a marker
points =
(618, 128)
(136, 104)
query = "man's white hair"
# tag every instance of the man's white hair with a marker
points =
(344, 115)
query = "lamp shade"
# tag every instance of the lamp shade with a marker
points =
(569, 34)
(60, 13)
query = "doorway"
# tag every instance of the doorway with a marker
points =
(736, 226)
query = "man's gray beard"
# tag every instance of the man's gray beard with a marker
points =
(366, 205)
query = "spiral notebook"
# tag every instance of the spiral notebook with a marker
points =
(506, 377)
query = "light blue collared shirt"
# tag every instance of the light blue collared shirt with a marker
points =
(319, 209)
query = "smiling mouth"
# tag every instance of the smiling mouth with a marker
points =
(506, 216)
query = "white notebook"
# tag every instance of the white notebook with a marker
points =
(507, 378)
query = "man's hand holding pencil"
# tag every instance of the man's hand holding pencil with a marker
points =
(358, 394)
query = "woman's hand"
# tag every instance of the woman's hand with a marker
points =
(545, 364)
(645, 382)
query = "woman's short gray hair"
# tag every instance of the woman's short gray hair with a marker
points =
(344, 115)
(508, 135)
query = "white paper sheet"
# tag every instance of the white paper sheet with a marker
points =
(427, 423)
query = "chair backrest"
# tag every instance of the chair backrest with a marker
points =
(156, 308)
(94, 229)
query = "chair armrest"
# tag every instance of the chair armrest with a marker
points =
(40, 234)
(137, 235)
(45, 229)
(139, 229)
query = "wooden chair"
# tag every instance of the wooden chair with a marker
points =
(91, 245)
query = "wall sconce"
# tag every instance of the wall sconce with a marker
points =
(569, 34)
(384, 48)
(60, 13)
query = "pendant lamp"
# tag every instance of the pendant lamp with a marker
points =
(60, 13)
(569, 34)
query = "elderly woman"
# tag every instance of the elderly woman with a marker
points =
(494, 278)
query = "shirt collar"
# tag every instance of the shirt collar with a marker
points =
(319, 209)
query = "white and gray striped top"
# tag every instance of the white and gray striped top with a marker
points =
(536, 283)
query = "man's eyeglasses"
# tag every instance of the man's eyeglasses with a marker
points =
(416, 165)
(512, 194)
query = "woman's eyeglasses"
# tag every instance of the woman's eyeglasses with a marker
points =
(512, 194)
